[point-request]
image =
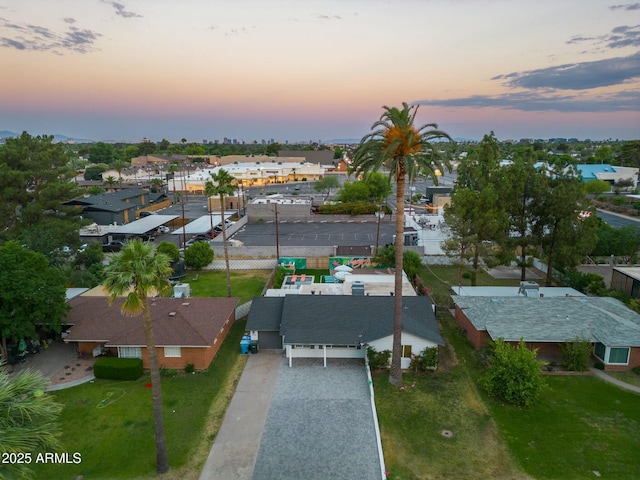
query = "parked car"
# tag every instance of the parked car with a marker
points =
(147, 214)
(114, 246)
(163, 229)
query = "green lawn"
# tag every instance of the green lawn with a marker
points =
(581, 425)
(111, 423)
(245, 284)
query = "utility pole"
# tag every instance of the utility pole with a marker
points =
(277, 239)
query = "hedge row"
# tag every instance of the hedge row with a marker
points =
(351, 208)
(118, 368)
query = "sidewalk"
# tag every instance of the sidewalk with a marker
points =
(234, 452)
(608, 378)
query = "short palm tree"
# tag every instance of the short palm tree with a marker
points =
(223, 184)
(137, 272)
(397, 144)
(28, 421)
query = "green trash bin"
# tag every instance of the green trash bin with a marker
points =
(253, 346)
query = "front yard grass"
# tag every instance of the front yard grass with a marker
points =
(110, 423)
(581, 428)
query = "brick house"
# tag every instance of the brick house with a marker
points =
(186, 331)
(547, 322)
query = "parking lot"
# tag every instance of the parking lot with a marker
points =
(316, 233)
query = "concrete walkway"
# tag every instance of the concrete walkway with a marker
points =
(234, 452)
(608, 378)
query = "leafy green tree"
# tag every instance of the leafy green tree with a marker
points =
(476, 215)
(198, 256)
(564, 236)
(397, 144)
(31, 294)
(513, 374)
(223, 184)
(94, 172)
(34, 184)
(630, 154)
(169, 249)
(522, 189)
(354, 192)
(146, 148)
(29, 423)
(596, 187)
(136, 272)
(91, 255)
(411, 263)
(326, 184)
(379, 186)
(101, 152)
(603, 154)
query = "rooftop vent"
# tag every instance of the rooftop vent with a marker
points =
(172, 314)
(186, 304)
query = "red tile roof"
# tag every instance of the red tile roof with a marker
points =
(176, 321)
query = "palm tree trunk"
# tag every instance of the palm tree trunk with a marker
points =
(210, 214)
(162, 461)
(224, 246)
(395, 374)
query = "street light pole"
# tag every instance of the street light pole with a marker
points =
(380, 215)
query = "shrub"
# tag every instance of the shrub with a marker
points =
(168, 372)
(426, 360)
(513, 374)
(198, 255)
(190, 368)
(378, 360)
(576, 354)
(118, 368)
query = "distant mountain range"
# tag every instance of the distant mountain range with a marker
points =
(56, 137)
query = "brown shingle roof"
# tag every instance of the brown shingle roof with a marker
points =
(197, 321)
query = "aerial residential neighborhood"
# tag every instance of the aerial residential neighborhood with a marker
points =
(287, 240)
(293, 300)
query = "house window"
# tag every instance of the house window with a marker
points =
(600, 350)
(619, 355)
(406, 351)
(129, 352)
(172, 352)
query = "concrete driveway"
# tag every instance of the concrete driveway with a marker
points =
(320, 424)
(306, 422)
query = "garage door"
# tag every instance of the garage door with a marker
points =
(269, 340)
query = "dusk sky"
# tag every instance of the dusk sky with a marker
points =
(301, 70)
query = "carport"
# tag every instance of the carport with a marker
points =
(201, 225)
(143, 225)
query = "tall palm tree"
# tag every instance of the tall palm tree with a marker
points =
(397, 144)
(223, 184)
(136, 272)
